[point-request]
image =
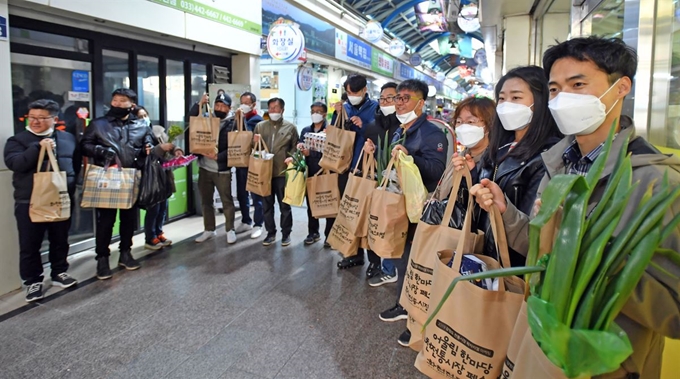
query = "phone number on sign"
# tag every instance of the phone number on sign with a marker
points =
(210, 13)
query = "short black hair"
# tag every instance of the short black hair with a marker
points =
(355, 82)
(46, 104)
(610, 55)
(540, 130)
(277, 100)
(250, 95)
(130, 94)
(320, 104)
(388, 85)
(140, 108)
(414, 85)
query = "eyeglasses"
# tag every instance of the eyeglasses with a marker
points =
(405, 98)
(39, 119)
(388, 99)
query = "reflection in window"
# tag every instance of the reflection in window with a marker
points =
(673, 123)
(116, 74)
(608, 19)
(199, 81)
(174, 81)
(148, 86)
(48, 40)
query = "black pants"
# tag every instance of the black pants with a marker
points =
(106, 218)
(401, 265)
(278, 190)
(31, 235)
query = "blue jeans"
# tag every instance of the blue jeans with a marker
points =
(398, 266)
(154, 220)
(244, 201)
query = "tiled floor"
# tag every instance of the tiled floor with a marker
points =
(211, 311)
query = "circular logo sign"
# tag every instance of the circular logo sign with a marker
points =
(396, 48)
(305, 78)
(373, 31)
(285, 42)
(415, 60)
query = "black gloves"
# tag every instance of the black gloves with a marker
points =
(105, 153)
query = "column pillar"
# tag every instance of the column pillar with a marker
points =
(245, 69)
(517, 43)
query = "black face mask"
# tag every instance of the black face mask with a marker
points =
(221, 115)
(119, 112)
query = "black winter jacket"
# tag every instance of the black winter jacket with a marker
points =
(21, 156)
(128, 138)
(376, 129)
(519, 182)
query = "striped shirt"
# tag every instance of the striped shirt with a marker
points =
(576, 163)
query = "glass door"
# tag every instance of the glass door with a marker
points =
(68, 82)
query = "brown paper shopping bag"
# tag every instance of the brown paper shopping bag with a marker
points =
(469, 336)
(341, 239)
(260, 170)
(428, 240)
(50, 201)
(338, 148)
(203, 134)
(355, 202)
(239, 144)
(387, 221)
(324, 194)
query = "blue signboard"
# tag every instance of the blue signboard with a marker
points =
(405, 72)
(80, 81)
(3, 28)
(358, 50)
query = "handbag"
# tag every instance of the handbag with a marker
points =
(50, 200)
(203, 134)
(110, 187)
(238, 144)
(260, 168)
(338, 149)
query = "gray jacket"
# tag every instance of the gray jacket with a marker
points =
(653, 311)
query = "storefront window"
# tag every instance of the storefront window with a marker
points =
(148, 86)
(116, 73)
(608, 19)
(199, 81)
(174, 81)
(673, 116)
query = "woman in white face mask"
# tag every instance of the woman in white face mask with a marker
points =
(473, 118)
(523, 129)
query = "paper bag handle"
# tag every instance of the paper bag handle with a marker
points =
(53, 164)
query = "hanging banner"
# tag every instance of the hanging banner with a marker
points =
(404, 72)
(373, 32)
(285, 41)
(431, 16)
(305, 78)
(382, 63)
(319, 35)
(350, 49)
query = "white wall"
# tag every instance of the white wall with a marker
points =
(162, 19)
(9, 253)
(246, 70)
(517, 42)
(555, 27)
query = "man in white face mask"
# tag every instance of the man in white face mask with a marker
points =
(588, 79)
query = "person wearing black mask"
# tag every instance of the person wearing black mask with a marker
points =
(119, 135)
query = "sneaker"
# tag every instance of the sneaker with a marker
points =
(243, 228)
(326, 245)
(231, 237)
(34, 292)
(373, 270)
(395, 313)
(285, 241)
(354, 260)
(404, 338)
(164, 241)
(126, 260)
(257, 232)
(382, 278)
(155, 244)
(103, 269)
(271, 238)
(312, 238)
(205, 236)
(64, 280)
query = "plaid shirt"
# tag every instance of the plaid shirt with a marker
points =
(578, 164)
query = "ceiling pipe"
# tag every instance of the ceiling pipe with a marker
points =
(443, 57)
(398, 10)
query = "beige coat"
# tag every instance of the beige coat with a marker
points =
(653, 311)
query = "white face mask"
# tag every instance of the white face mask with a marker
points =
(578, 114)
(514, 116)
(275, 116)
(469, 135)
(46, 133)
(388, 110)
(245, 108)
(409, 116)
(355, 100)
(317, 118)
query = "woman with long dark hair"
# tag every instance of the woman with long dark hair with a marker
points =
(522, 130)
